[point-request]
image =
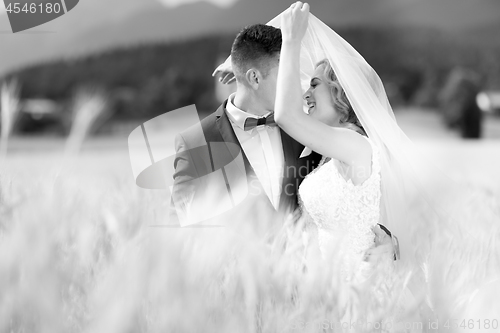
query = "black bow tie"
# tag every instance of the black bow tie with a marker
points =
(251, 123)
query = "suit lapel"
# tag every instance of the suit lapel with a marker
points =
(290, 156)
(291, 151)
(228, 135)
(289, 148)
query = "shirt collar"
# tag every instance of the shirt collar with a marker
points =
(306, 152)
(238, 116)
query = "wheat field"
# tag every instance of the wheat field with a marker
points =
(81, 251)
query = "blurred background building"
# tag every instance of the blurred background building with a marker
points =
(152, 56)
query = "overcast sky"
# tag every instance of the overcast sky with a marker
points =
(221, 3)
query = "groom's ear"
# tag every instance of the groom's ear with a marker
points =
(253, 78)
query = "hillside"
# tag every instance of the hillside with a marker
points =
(98, 25)
(147, 80)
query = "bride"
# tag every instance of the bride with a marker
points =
(370, 171)
(342, 195)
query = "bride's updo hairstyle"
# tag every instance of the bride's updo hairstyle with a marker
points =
(340, 100)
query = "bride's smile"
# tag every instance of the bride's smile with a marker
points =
(319, 99)
(311, 105)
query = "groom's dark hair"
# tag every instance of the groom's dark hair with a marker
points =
(256, 46)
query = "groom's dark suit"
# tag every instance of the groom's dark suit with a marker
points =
(191, 163)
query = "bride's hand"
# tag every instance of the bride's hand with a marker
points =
(294, 22)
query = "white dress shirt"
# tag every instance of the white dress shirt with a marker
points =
(263, 148)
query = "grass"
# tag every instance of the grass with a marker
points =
(78, 254)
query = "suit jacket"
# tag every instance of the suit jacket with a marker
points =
(211, 170)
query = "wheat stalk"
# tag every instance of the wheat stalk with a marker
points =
(89, 104)
(9, 109)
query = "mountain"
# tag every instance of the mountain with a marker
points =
(96, 25)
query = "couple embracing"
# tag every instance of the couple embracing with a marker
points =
(306, 100)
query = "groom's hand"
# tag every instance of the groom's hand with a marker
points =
(383, 248)
(227, 74)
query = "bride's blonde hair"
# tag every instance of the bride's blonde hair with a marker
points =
(340, 100)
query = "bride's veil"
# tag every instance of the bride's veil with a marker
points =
(408, 182)
(415, 194)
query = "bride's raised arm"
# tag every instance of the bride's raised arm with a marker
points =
(336, 142)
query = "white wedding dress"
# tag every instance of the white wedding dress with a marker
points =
(342, 216)
(343, 213)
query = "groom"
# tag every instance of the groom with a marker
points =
(271, 158)
(274, 163)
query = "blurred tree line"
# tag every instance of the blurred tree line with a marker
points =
(141, 81)
(147, 80)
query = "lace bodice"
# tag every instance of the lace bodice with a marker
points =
(343, 213)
